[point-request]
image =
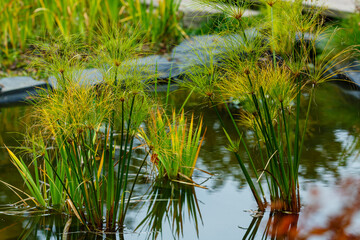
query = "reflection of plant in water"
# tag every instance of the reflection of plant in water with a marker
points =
(253, 228)
(282, 226)
(339, 225)
(171, 202)
(278, 226)
(55, 227)
(37, 227)
(332, 142)
(354, 144)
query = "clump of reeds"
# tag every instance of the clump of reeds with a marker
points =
(270, 92)
(268, 76)
(174, 144)
(161, 23)
(76, 126)
(74, 160)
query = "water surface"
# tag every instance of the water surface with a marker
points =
(225, 209)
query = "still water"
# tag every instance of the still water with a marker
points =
(225, 208)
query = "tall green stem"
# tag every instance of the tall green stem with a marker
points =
(168, 88)
(244, 144)
(242, 29)
(241, 163)
(273, 35)
(186, 100)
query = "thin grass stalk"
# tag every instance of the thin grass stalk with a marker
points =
(280, 159)
(50, 176)
(37, 179)
(67, 192)
(168, 88)
(75, 167)
(217, 112)
(242, 30)
(186, 100)
(258, 200)
(110, 180)
(297, 127)
(81, 184)
(110, 188)
(132, 188)
(244, 144)
(261, 158)
(273, 35)
(156, 79)
(90, 178)
(123, 195)
(122, 187)
(261, 124)
(293, 177)
(241, 163)
(269, 146)
(121, 159)
(94, 173)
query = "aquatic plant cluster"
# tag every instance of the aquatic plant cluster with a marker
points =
(79, 150)
(82, 137)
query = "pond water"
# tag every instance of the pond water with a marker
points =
(225, 209)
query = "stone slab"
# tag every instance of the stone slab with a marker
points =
(19, 89)
(15, 83)
(88, 77)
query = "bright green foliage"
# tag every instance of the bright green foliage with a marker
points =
(348, 33)
(267, 74)
(161, 23)
(73, 166)
(73, 137)
(20, 19)
(174, 144)
(13, 15)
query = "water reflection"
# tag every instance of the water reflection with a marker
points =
(333, 116)
(55, 227)
(330, 146)
(13, 120)
(171, 203)
(333, 137)
(278, 226)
